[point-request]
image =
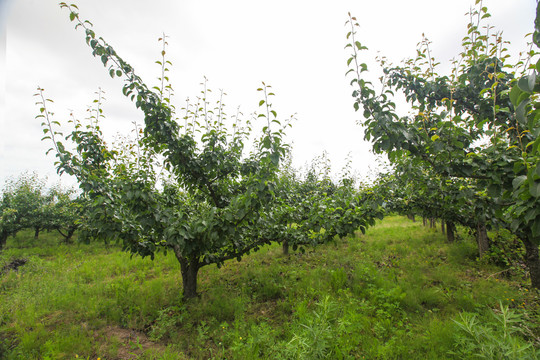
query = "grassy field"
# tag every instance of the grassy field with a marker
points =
(398, 292)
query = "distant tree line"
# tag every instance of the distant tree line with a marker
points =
(27, 203)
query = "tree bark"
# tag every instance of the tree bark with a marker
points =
(189, 267)
(285, 245)
(36, 232)
(450, 231)
(432, 223)
(68, 235)
(532, 260)
(443, 226)
(424, 221)
(411, 217)
(482, 238)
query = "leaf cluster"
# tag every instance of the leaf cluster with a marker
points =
(469, 131)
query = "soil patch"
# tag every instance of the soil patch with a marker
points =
(133, 343)
(13, 265)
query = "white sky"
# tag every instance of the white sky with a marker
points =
(295, 46)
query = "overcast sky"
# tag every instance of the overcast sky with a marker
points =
(295, 46)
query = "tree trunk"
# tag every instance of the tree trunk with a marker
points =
(68, 235)
(424, 221)
(411, 217)
(532, 260)
(442, 226)
(450, 231)
(285, 245)
(482, 238)
(189, 277)
(36, 232)
(189, 268)
(432, 223)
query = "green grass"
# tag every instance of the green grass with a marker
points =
(394, 293)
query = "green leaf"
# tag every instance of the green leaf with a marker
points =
(261, 102)
(514, 95)
(531, 214)
(532, 81)
(524, 96)
(434, 137)
(534, 189)
(523, 84)
(516, 183)
(520, 112)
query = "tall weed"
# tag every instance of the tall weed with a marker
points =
(500, 337)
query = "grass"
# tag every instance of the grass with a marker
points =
(398, 292)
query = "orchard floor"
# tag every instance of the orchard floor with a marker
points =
(398, 292)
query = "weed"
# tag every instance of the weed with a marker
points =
(167, 323)
(507, 252)
(394, 297)
(497, 338)
(338, 279)
(313, 336)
